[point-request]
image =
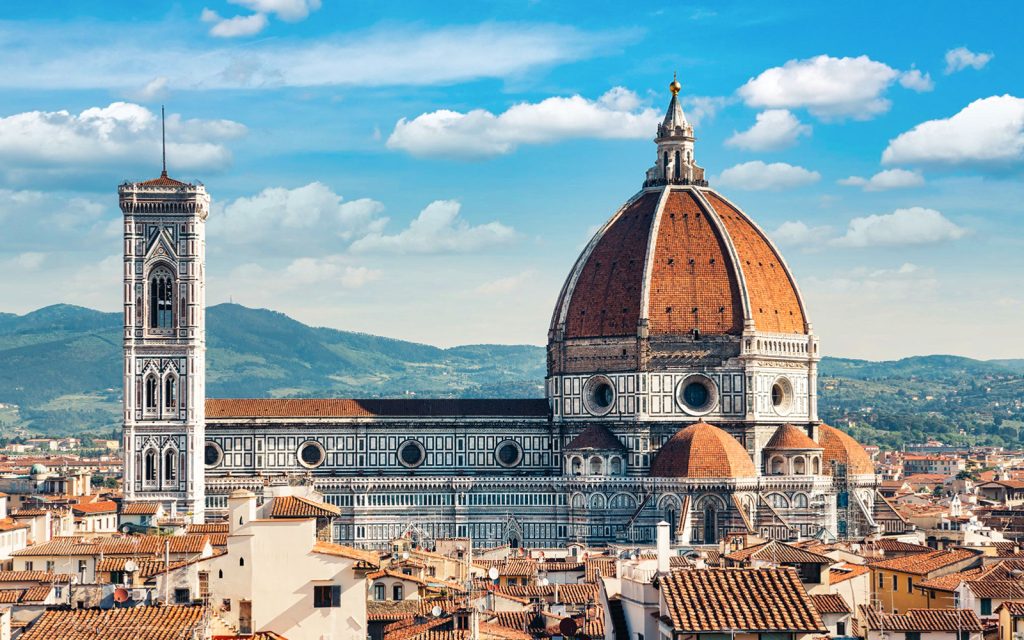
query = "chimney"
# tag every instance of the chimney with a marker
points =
(663, 547)
(241, 509)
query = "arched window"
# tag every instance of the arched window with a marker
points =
(778, 466)
(149, 465)
(616, 466)
(710, 523)
(396, 592)
(152, 390)
(799, 466)
(800, 501)
(161, 299)
(170, 465)
(664, 164)
(677, 166)
(171, 392)
(816, 463)
(778, 501)
(577, 466)
(220, 574)
(596, 466)
(241, 562)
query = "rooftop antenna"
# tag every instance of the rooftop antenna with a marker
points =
(163, 141)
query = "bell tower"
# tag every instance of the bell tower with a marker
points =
(165, 342)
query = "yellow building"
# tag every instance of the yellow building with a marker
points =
(895, 583)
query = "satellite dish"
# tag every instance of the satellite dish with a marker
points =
(544, 582)
(121, 595)
(405, 555)
(130, 566)
(436, 611)
(568, 627)
(492, 573)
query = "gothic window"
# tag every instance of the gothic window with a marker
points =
(161, 299)
(171, 392)
(170, 465)
(149, 465)
(710, 523)
(677, 165)
(152, 390)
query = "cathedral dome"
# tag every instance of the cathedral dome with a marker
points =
(702, 451)
(840, 448)
(678, 260)
(791, 437)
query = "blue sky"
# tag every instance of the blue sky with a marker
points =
(430, 171)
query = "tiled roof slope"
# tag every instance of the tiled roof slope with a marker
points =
(139, 508)
(116, 545)
(842, 449)
(332, 549)
(725, 600)
(830, 603)
(597, 437)
(791, 437)
(922, 620)
(780, 553)
(702, 451)
(299, 507)
(132, 623)
(924, 563)
(393, 407)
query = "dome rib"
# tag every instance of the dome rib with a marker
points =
(702, 450)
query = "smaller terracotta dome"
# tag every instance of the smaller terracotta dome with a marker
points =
(596, 437)
(791, 437)
(840, 448)
(702, 451)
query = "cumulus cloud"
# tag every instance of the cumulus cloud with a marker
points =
(828, 87)
(480, 134)
(961, 58)
(795, 233)
(506, 285)
(703, 108)
(916, 225)
(332, 269)
(287, 10)
(987, 131)
(121, 134)
(389, 55)
(759, 176)
(234, 27)
(438, 229)
(916, 81)
(281, 214)
(774, 129)
(884, 180)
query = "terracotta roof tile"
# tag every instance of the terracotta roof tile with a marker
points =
(741, 600)
(92, 508)
(163, 181)
(842, 449)
(779, 553)
(299, 507)
(33, 576)
(139, 508)
(846, 572)
(209, 527)
(132, 623)
(332, 549)
(922, 620)
(601, 565)
(569, 593)
(392, 407)
(791, 437)
(597, 437)
(924, 563)
(702, 451)
(830, 603)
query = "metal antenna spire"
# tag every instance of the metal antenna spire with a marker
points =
(163, 141)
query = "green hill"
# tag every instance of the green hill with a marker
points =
(61, 365)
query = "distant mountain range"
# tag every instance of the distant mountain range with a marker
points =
(62, 366)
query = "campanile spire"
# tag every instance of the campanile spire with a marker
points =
(675, 163)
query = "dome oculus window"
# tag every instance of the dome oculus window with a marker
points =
(411, 454)
(508, 453)
(311, 454)
(212, 454)
(697, 394)
(782, 396)
(599, 395)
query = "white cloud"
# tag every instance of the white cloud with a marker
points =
(287, 10)
(916, 81)
(279, 213)
(388, 55)
(154, 90)
(506, 285)
(479, 133)
(310, 270)
(826, 86)
(438, 229)
(28, 261)
(704, 108)
(122, 133)
(987, 131)
(916, 225)
(775, 129)
(884, 180)
(795, 233)
(759, 176)
(235, 27)
(960, 58)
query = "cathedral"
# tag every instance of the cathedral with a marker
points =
(681, 386)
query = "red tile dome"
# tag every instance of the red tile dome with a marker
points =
(841, 448)
(702, 450)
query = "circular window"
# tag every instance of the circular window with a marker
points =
(697, 394)
(509, 453)
(599, 395)
(212, 454)
(411, 453)
(782, 396)
(311, 454)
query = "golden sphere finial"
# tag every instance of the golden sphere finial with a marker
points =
(675, 86)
